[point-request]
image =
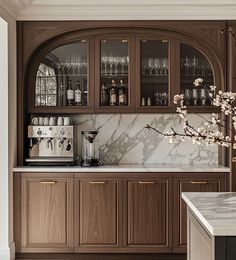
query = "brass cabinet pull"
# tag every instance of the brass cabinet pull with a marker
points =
(199, 182)
(48, 182)
(146, 182)
(97, 182)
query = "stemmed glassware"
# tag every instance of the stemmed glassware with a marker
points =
(195, 97)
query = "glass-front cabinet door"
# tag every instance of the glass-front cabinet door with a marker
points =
(62, 77)
(154, 73)
(194, 65)
(112, 80)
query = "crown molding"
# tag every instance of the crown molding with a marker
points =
(14, 7)
(128, 11)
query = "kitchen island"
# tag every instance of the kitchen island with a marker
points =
(211, 225)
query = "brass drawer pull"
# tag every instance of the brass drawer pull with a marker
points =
(97, 182)
(146, 182)
(199, 182)
(48, 182)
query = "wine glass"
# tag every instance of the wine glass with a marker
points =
(105, 61)
(111, 63)
(116, 63)
(195, 97)
(187, 96)
(157, 65)
(151, 65)
(165, 66)
(203, 96)
(123, 62)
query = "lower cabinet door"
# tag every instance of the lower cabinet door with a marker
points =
(149, 215)
(193, 183)
(96, 206)
(47, 215)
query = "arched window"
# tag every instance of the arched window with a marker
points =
(46, 86)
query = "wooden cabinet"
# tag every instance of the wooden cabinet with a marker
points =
(131, 213)
(97, 208)
(207, 182)
(47, 219)
(149, 213)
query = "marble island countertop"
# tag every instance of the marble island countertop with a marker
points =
(216, 211)
(168, 168)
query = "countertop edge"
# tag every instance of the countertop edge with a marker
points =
(125, 169)
(201, 218)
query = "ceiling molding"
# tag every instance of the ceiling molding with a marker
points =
(14, 7)
(121, 10)
(128, 11)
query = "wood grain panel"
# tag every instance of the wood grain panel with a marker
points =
(47, 213)
(190, 184)
(99, 212)
(148, 212)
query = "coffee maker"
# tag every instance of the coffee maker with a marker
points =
(51, 145)
(90, 148)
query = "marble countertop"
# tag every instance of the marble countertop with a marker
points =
(125, 168)
(215, 210)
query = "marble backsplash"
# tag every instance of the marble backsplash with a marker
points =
(124, 140)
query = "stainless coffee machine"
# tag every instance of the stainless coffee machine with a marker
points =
(51, 145)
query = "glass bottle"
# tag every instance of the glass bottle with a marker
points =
(104, 95)
(78, 94)
(70, 94)
(122, 94)
(113, 94)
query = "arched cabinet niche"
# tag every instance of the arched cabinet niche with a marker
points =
(121, 70)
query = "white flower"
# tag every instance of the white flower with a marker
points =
(178, 98)
(212, 88)
(197, 82)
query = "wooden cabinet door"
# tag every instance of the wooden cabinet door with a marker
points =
(47, 215)
(193, 183)
(149, 214)
(96, 205)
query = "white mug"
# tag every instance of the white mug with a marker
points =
(46, 121)
(35, 121)
(60, 120)
(67, 120)
(40, 121)
(52, 121)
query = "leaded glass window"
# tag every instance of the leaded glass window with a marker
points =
(46, 86)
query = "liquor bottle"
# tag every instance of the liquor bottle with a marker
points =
(113, 94)
(104, 95)
(78, 94)
(70, 94)
(122, 94)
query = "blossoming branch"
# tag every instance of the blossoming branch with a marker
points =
(211, 131)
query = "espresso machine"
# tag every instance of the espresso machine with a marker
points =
(90, 149)
(51, 145)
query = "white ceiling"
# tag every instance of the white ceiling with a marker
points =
(120, 9)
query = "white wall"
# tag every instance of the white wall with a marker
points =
(7, 130)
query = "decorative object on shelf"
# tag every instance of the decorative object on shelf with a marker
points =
(211, 131)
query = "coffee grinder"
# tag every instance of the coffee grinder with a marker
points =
(90, 148)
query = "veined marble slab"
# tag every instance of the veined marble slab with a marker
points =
(123, 139)
(215, 210)
(126, 168)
